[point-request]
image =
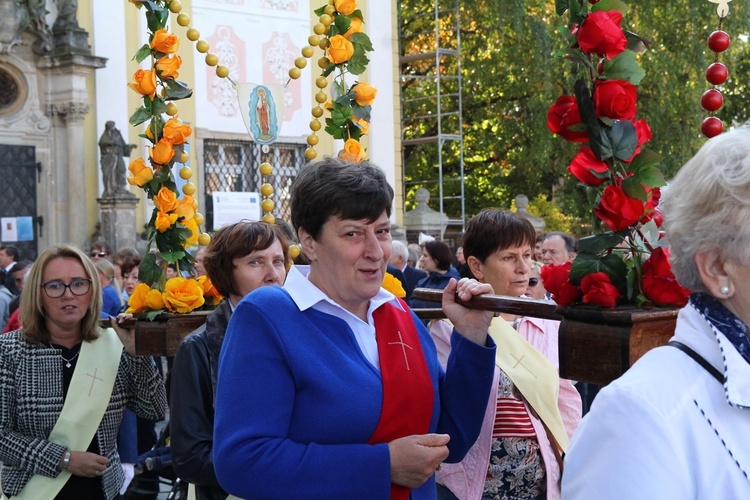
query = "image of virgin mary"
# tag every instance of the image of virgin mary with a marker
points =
(263, 120)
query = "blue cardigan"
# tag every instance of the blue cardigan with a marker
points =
(297, 402)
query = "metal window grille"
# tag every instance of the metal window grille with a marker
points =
(231, 165)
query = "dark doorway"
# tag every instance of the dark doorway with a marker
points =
(18, 181)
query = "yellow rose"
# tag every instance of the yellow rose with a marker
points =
(168, 66)
(345, 7)
(353, 151)
(164, 221)
(142, 174)
(166, 200)
(137, 301)
(144, 82)
(193, 226)
(163, 152)
(341, 49)
(176, 132)
(354, 27)
(364, 125)
(185, 208)
(364, 93)
(393, 285)
(182, 295)
(154, 300)
(165, 42)
(210, 293)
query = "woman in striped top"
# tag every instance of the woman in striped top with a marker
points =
(517, 453)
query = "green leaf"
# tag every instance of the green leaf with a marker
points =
(599, 243)
(173, 257)
(151, 315)
(357, 64)
(335, 131)
(637, 43)
(321, 10)
(157, 18)
(561, 6)
(623, 139)
(644, 159)
(342, 24)
(149, 271)
(624, 67)
(358, 14)
(362, 41)
(340, 114)
(142, 53)
(362, 112)
(610, 5)
(158, 107)
(586, 263)
(141, 115)
(651, 177)
(177, 90)
(633, 188)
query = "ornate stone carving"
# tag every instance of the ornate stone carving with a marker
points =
(72, 112)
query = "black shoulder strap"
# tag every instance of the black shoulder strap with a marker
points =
(698, 359)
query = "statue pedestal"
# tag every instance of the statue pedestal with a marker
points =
(424, 219)
(118, 220)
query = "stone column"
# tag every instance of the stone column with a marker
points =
(118, 220)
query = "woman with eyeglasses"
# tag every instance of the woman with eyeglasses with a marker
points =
(532, 412)
(64, 384)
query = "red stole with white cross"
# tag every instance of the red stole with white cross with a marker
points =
(408, 397)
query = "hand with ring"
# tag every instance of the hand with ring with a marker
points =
(86, 464)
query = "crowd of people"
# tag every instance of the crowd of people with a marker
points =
(311, 380)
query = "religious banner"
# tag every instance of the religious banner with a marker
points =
(262, 108)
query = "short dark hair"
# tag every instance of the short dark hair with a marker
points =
(20, 266)
(440, 253)
(237, 240)
(492, 230)
(10, 251)
(335, 187)
(570, 242)
(104, 246)
(128, 264)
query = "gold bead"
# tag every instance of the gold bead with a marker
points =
(295, 73)
(324, 62)
(326, 20)
(321, 82)
(172, 109)
(315, 125)
(202, 46)
(183, 19)
(317, 111)
(307, 51)
(212, 59)
(294, 251)
(175, 6)
(222, 71)
(266, 169)
(266, 189)
(193, 34)
(324, 43)
(312, 140)
(269, 219)
(267, 205)
(330, 10)
(204, 239)
(184, 157)
(313, 40)
(186, 173)
(189, 188)
(310, 153)
(321, 97)
(319, 29)
(198, 217)
(300, 62)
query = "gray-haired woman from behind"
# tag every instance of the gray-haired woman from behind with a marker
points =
(676, 425)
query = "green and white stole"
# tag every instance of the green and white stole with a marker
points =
(87, 399)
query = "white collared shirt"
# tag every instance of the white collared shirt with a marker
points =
(306, 295)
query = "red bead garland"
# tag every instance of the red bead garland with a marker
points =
(716, 74)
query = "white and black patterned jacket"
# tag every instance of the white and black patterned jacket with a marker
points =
(31, 399)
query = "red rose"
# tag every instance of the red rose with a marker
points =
(585, 164)
(600, 33)
(617, 209)
(643, 131)
(598, 289)
(615, 99)
(659, 283)
(555, 279)
(650, 207)
(564, 115)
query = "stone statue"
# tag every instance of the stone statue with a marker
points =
(67, 15)
(112, 148)
(423, 218)
(522, 201)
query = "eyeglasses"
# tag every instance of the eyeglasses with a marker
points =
(56, 289)
(98, 254)
(533, 282)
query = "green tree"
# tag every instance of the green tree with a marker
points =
(511, 77)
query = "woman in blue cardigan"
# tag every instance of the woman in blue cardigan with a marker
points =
(330, 387)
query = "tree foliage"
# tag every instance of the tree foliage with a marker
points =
(511, 76)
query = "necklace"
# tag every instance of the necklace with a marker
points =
(67, 361)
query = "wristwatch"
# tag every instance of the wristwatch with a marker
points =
(66, 460)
